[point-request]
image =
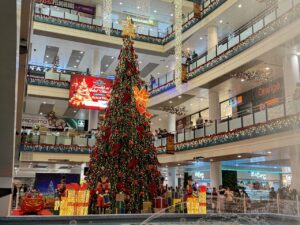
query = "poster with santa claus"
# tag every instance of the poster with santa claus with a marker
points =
(89, 92)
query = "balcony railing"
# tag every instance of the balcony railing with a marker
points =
(246, 36)
(250, 123)
(152, 35)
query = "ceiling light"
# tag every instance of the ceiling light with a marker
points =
(178, 164)
(170, 102)
(140, 62)
(240, 5)
(77, 60)
(167, 66)
(121, 3)
(267, 68)
(179, 96)
(102, 72)
(158, 73)
(298, 53)
(239, 156)
(47, 56)
(242, 80)
(46, 62)
(75, 111)
(172, 14)
(159, 119)
(41, 113)
(106, 65)
(191, 104)
(211, 160)
(112, 57)
(44, 102)
(138, 7)
(201, 38)
(275, 167)
(75, 66)
(155, 11)
(201, 99)
(188, 49)
(220, 21)
(269, 152)
(81, 52)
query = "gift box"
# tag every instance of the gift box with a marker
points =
(120, 197)
(147, 205)
(160, 203)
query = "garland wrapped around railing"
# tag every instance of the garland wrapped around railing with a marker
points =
(258, 130)
(48, 82)
(268, 30)
(49, 148)
(118, 33)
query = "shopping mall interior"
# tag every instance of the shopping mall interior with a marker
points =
(181, 108)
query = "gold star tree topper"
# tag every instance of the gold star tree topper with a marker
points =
(129, 28)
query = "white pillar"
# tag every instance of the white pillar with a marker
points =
(171, 123)
(99, 11)
(93, 119)
(214, 106)
(215, 174)
(212, 37)
(291, 75)
(96, 70)
(295, 167)
(172, 178)
(9, 17)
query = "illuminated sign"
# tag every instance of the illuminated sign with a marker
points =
(199, 175)
(259, 175)
(145, 21)
(89, 92)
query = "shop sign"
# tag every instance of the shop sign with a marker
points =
(69, 5)
(144, 21)
(268, 90)
(259, 175)
(89, 92)
(170, 147)
(32, 120)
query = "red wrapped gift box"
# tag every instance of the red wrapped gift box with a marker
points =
(160, 203)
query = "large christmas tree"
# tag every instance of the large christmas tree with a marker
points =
(125, 152)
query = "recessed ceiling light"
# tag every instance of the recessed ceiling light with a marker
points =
(112, 57)
(201, 38)
(159, 119)
(187, 49)
(179, 96)
(240, 5)
(298, 53)
(138, 7)
(140, 62)
(172, 14)
(44, 102)
(75, 111)
(81, 52)
(239, 156)
(47, 56)
(75, 66)
(201, 99)
(267, 68)
(275, 167)
(106, 65)
(211, 160)
(167, 66)
(269, 152)
(242, 80)
(41, 113)
(158, 73)
(46, 62)
(155, 11)
(170, 102)
(220, 21)
(191, 104)
(77, 60)
(121, 3)
(178, 164)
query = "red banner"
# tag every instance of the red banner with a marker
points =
(89, 92)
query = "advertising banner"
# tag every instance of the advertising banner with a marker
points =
(170, 148)
(89, 92)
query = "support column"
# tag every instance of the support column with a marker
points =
(171, 123)
(172, 178)
(9, 54)
(212, 37)
(214, 106)
(93, 119)
(99, 11)
(291, 75)
(215, 174)
(295, 167)
(96, 70)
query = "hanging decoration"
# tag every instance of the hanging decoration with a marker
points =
(178, 41)
(129, 28)
(141, 99)
(107, 16)
(179, 111)
(253, 75)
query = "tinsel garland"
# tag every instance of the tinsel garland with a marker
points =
(49, 148)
